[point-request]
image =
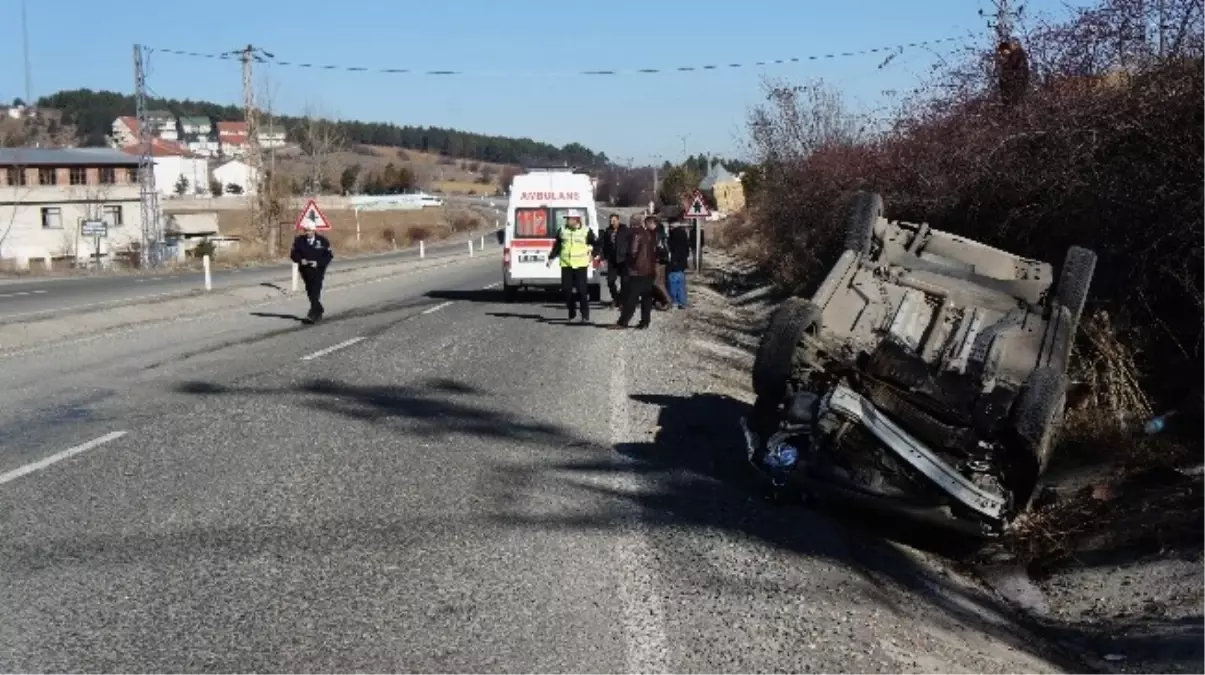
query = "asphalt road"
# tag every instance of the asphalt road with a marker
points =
(430, 480)
(36, 298)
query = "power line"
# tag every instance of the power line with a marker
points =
(604, 72)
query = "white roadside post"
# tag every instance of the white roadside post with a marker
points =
(422, 250)
(296, 276)
(482, 246)
(208, 276)
(470, 248)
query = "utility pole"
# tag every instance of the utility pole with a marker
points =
(152, 233)
(249, 56)
(1004, 22)
(656, 174)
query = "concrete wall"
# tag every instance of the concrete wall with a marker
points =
(22, 212)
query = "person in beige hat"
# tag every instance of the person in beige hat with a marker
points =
(576, 247)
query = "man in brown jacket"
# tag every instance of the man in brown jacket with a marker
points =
(640, 269)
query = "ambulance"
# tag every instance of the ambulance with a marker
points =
(540, 201)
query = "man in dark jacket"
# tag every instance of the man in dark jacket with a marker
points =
(312, 253)
(679, 260)
(640, 269)
(610, 250)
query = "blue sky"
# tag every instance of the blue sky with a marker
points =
(519, 58)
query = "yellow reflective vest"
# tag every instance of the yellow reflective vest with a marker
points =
(575, 251)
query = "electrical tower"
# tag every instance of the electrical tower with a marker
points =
(249, 56)
(152, 231)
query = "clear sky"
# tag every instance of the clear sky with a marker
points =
(519, 59)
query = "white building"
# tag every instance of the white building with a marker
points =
(173, 160)
(124, 131)
(238, 173)
(233, 137)
(47, 194)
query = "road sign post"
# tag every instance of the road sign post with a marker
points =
(97, 229)
(697, 211)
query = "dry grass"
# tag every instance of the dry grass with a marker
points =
(460, 187)
(379, 231)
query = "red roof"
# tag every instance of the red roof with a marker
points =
(131, 123)
(235, 140)
(232, 129)
(159, 148)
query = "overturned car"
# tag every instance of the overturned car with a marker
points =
(925, 376)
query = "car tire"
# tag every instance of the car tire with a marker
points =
(865, 211)
(775, 360)
(509, 293)
(1074, 281)
(1037, 422)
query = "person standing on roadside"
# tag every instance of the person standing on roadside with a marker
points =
(576, 247)
(610, 252)
(312, 253)
(640, 270)
(679, 261)
(661, 297)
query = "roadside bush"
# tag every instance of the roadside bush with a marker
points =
(466, 221)
(1103, 152)
(418, 233)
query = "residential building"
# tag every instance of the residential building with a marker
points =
(196, 126)
(173, 161)
(124, 131)
(46, 195)
(238, 173)
(163, 125)
(233, 137)
(726, 189)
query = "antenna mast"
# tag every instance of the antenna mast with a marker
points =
(152, 232)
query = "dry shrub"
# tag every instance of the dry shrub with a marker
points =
(466, 221)
(418, 233)
(1104, 152)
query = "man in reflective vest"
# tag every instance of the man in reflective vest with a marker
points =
(576, 247)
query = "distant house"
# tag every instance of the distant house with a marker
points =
(48, 193)
(233, 137)
(163, 125)
(726, 189)
(173, 160)
(124, 131)
(238, 173)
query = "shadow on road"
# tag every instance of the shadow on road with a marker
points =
(487, 295)
(433, 407)
(271, 315)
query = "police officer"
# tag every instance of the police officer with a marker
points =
(575, 246)
(312, 253)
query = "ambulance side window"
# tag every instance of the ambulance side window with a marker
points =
(532, 224)
(559, 216)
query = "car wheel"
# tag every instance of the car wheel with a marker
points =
(510, 293)
(865, 211)
(1038, 420)
(1074, 281)
(775, 360)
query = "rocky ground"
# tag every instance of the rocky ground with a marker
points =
(1114, 614)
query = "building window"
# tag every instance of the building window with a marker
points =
(131, 175)
(16, 176)
(112, 215)
(78, 175)
(52, 218)
(108, 175)
(48, 176)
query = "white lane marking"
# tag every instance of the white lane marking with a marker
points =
(436, 308)
(493, 285)
(643, 611)
(15, 294)
(332, 348)
(59, 456)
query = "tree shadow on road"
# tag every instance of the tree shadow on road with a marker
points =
(433, 407)
(699, 478)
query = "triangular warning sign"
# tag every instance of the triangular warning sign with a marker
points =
(312, 214)
(698, 207)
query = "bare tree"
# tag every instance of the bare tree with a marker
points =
(320, 139)
(801, 119)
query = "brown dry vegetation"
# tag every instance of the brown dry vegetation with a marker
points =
(432, 172)
(1104, 152)
(379, 230)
